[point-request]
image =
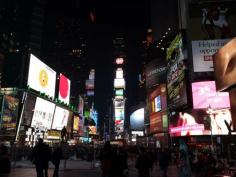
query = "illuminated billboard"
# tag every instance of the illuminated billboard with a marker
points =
(119, 115)
(76, 124)
(119, 73)
(9, 116)
(205, 95)
(119, 103)
(60, 118)
(202, 51)
(119, 92)
(198, 122)
(137, 119)
(43, 114)
(64, 89)
(176, 84)
(155, 72)
(212, 19)
(119, 83)
(41, 77)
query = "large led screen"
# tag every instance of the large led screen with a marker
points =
(119, 103)
(176, 84)
(205, 95)
(41, 77)
(212, 20)
(60, 118)
(119, 73)
(64, 89)
(28, 110)
(119, 92)
(137, 119)
(119, 83)
(119, 115)
(199, 122)
(76, 124)
(43, 114)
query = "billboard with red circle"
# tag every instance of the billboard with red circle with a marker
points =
(64, 89)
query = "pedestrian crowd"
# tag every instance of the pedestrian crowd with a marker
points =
(190, 161)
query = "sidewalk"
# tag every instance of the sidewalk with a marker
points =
(65, 164)
(80, 168)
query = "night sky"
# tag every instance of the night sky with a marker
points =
(112, 19)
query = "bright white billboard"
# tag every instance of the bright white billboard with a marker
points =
(43, 114)
(60, 118)
(41, 77)
(119, 83)
(203, 51)
(64, 89)
(119, 73)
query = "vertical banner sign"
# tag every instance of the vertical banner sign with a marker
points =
(9, 115)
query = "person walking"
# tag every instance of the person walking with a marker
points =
(164, 161)
(40, 157)
(106, 158)
(56, 157)
(143, 163)
(5, 163)
(184, 164)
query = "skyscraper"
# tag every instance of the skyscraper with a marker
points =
(21, 33)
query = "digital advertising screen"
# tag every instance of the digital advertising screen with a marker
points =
(205, 95)
(158, 99)
(119, 92)
(28, 110)
(119, 103)
(64, 89)
(119, 115)
(156, 124)
(155, 72)
(43, 114)
(9, 115)
(119, 73)
(157, 102)
(76, 124)
(199, 122)
(137, 119)
(60, 118)
(212, 20)
(176, 84)
(119, 83)
(41, 77)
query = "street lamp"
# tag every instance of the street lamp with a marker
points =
(210, 113)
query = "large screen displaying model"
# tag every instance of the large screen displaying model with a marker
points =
(199, 122)
(205, 95)
(41, 77)
(64, 89)
(60, 118)
(43, 114)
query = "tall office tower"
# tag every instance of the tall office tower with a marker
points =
(119, 87)
(21, 32)
(65, 42)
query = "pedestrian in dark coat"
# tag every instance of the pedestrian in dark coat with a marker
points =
(56, 158)
(106, 158)
(40, 157)
(164, 161)
(5, 163)
(143, 163)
